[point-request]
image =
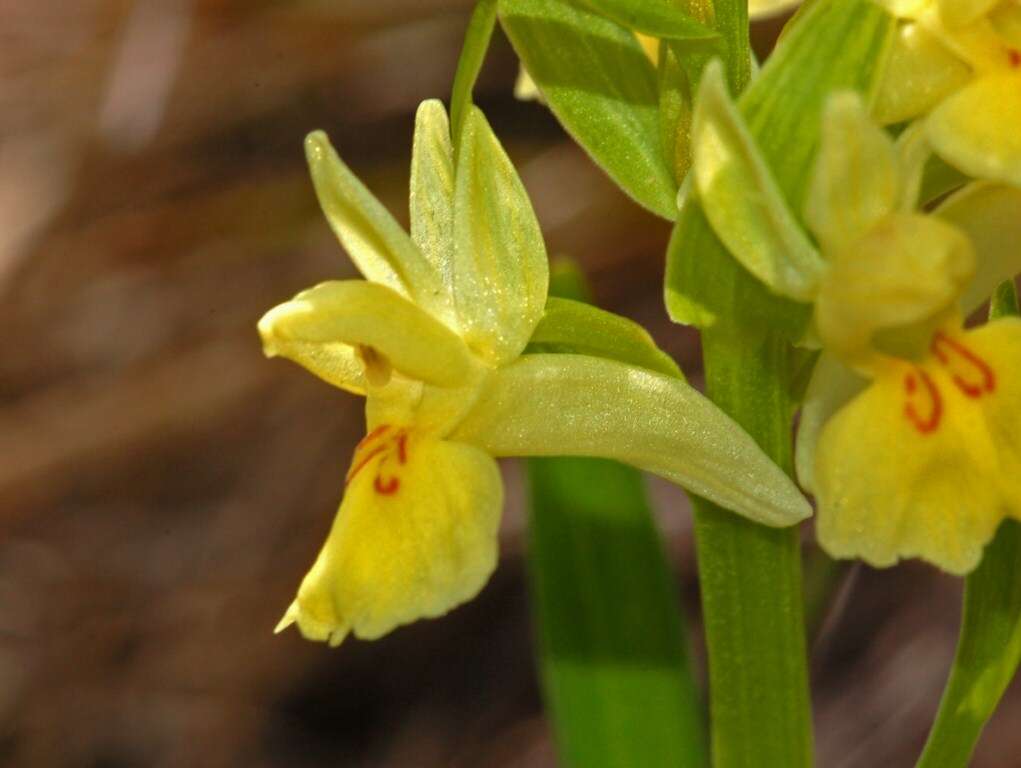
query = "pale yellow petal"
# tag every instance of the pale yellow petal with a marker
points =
(958, 13)
(855, 180)
(920, 72)
(431, 197)
(926, 462)
(316, 324)
(413, 538)
(977, 129)
(831, 387)
(909, 270)
(990, 215)
(500, 270)
(376, 243)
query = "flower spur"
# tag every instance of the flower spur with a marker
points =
(435, 339)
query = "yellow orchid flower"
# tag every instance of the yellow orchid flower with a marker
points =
(435, 339)
(906, 437)
(958, 62)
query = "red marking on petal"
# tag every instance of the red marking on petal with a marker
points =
(1014, 57)
(928, 423)
(386, 487)
(950, 351)
(356, 468)
(402, 448)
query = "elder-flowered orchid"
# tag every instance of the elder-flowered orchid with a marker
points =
(957, 63)
(908, 433)
(435, 339)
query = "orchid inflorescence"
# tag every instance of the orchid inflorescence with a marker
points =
(840, 215)
(907, 435)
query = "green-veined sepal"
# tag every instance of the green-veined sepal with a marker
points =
(431, 195)
(376, 243)
(500, 271)
(741, 199)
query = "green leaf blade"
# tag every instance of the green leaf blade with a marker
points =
(473, 53)
(659, 18)
(602, 88)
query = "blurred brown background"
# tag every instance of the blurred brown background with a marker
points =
(163, 487)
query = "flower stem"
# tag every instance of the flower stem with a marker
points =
(750, 578)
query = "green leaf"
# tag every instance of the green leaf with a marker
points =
(500, 273)
(612, 642)
(989, 645)
(602, 88)
(473, 53)
(612, 645)
(659, 18)
(842, 42)
(578, 328)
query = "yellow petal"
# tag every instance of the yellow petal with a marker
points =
(500, 272)
(831, 387)
(926, 462)
(908, 270)
(920, 72)
(318, 324)
(525, 88)
(990, 215)
(957, 13)
(376, 243)
(977, 130)
(415, 536)
(855, 180)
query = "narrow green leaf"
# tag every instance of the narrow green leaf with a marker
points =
(602, 88)
(473, 53)
(574, 327)
(842, 42)
(612, 648)
(500, 272)
(989, 647)
(659, 18)
(612, 642)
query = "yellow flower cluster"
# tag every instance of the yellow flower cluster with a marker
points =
(908, 435)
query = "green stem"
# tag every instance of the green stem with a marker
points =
(750, 579)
